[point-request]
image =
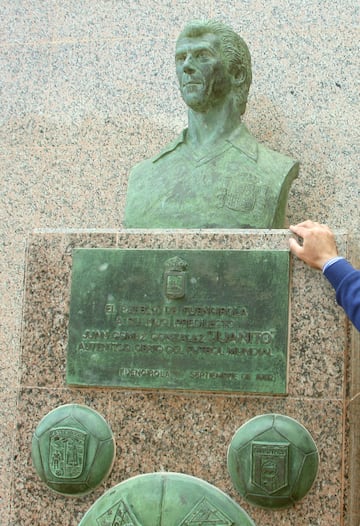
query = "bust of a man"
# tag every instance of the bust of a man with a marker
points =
(215, 174)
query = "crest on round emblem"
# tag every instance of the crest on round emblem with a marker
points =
(67, 452)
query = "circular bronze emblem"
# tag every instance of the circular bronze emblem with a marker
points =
(172, 499)
(73, 449)
(272, 461)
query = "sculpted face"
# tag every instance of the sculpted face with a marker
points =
(203, 77)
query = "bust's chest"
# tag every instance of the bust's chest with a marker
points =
(223, 188)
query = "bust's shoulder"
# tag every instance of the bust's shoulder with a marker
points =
(275, 160)
(261, 154)
(147, 164)
(139, 168)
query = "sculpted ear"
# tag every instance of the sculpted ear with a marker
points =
(239, 75)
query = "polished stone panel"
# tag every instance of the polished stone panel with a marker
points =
(187, 432)
(211, 320)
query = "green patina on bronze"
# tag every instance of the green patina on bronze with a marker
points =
(215, 174)
(171, 499)
(208, 320)
(73, 449)
(273, 461)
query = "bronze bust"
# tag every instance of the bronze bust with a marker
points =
(215, 174)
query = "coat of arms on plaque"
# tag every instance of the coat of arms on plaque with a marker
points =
(270, 465)
(67, 453)
(175, 278)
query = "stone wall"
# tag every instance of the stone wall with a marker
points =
(88, 89)
(183, 432)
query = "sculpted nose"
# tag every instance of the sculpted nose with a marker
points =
(188, 65)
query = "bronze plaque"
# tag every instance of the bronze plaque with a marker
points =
(73, 449)
(169, 499)
(208, 320)
(272, 461)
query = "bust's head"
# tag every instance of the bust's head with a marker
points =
(219, 53)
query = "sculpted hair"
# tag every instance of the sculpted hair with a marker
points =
(234, 48)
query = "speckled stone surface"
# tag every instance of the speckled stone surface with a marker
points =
(181, 432)
(88, 89)
(353, 420)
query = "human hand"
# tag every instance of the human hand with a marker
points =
(317, 246)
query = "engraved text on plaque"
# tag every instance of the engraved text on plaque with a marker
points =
(210, 320)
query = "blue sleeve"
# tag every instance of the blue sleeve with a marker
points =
(346, 282)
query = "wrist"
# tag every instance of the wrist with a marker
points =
(330, 262)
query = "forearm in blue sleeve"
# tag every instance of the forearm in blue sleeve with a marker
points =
(346, 282)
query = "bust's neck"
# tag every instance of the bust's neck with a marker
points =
(208, 128)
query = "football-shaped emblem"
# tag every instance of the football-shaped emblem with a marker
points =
(73, 449)
(169, 499)
(272, 461)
